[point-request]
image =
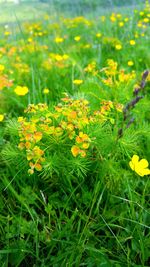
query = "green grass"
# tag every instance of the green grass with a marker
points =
(82, 205)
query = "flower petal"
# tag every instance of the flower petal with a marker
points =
(143, 163)
(141, 171)
(135, 159)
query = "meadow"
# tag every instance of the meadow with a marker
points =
(74, 136)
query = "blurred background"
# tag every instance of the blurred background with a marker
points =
(31, 9)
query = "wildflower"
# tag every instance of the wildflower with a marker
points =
(7, 33)
(98, 35)
(146, 20)
(65, 56)
(2, 68)
(112, 18)
(126, 19)
(75, 151)
(77, 38)
(121, 24)
(59, 40)
(130, 63)
(132, 42)
(30, 40)
(1, 117)
(118, 47)
(119, 16)
(77, 82)
(141, 13)
(140, 167)
(21, 90)
(46, 91)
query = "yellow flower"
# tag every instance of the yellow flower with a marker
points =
(132, 42)
(119, 16)
(121, 24)
(112, 18)
(141, 13)
(46, 91)
(130, 63)
(2, 67)
(30, 40)
(146, 20)
(140, 167)
(21, 90)
(78, 82)
(6, 33)
(1, 117)
(75, 151)
(126, 19)
(98, 35)
(59, 40)
(118, 47)
(77, 38)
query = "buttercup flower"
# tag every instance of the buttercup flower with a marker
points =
(58, 40)
(98, 35)
(130, 63)
(78, 82)
(132, 42)
(118, 47)
(1, 117)
(2, 68)
(140, 167)
(21, 90)
(46, 91)
(77, 38)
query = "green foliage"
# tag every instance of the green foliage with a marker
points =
(69, 194)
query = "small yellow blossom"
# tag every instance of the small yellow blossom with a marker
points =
(1, 117)
(118, 47)
(59, 40)
(119, 16)
(46, 91)
(77, 82)
(141, 13)
(2, 67)
(121, 24)
(130, 63)
(98, 35)
(139, 24)
(132, 42)
(30, 40)
(77, 38)
(21, 90)
(75, 151)
(140, 167)
(7, 33)
(126, 19)
(112, 18)
(146, 20)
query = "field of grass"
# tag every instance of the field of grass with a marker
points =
(74, 135)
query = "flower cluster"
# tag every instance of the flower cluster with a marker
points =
(115, 76)
(70, 121)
